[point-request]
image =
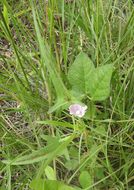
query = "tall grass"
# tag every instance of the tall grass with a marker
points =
(40, 141)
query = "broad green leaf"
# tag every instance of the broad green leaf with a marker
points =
(37, 184)
(80, 72)
(76, 95)
(40, 184)
(85, 79)
(99, 85)
(85, 179)
(50, 173)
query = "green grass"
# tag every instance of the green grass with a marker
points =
(40, 141)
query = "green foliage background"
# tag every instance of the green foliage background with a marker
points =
(40, 42)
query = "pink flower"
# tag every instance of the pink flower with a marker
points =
(77, 110)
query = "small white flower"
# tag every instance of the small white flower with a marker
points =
(77, 110)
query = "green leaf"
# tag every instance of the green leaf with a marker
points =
(37, 184)
(58, 151)
(99, 86)
(92, 155)
(91, 111)
(58, 105)
(80, 73)
(35, 156)
(50, 139)
(100, 172)
(40, 184)
(60, 148)
(5, 14)
(85, 179)
(47, 59)
(47, 153)
(50, 173)
(85, 79)
(57, 123)
(101, 130)
(71, 164)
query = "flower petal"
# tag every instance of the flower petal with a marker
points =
(77, 110)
